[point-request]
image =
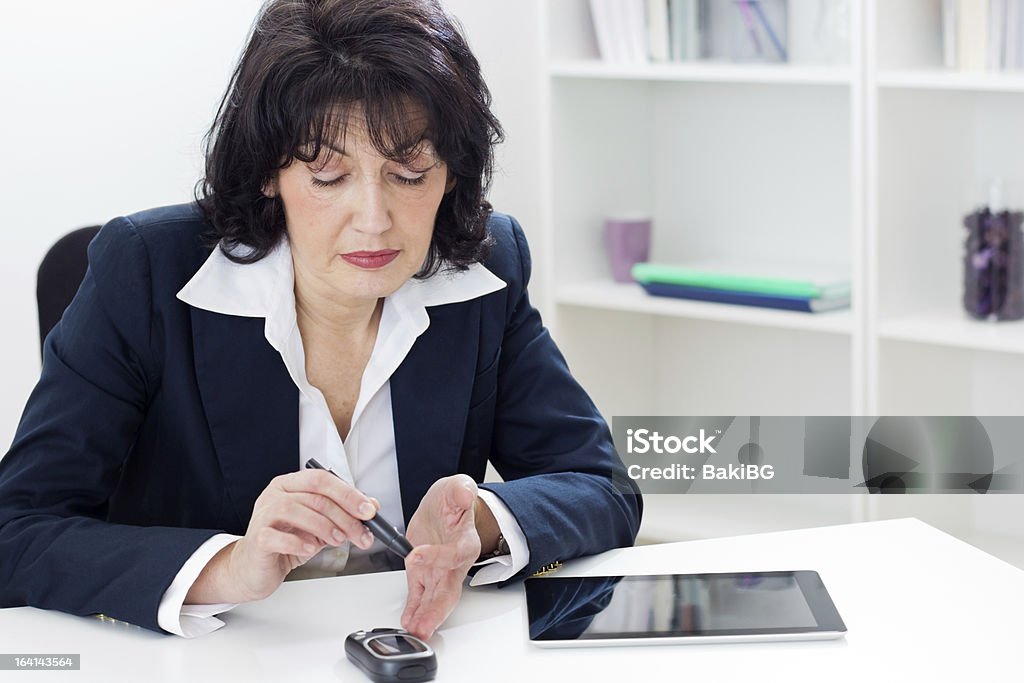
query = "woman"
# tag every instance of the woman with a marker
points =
(340, 290)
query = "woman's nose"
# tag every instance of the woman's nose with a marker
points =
(371, 213)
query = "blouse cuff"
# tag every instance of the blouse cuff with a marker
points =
(191, 621)
(504, 567)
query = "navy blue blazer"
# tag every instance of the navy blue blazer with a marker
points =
(155, 425)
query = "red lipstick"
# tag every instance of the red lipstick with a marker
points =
(371, 259)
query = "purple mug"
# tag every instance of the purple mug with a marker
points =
(628, 241)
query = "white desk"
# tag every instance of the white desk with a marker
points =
(919, 605)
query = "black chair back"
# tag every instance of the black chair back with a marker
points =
(60, 275)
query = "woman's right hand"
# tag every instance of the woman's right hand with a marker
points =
(294, 518)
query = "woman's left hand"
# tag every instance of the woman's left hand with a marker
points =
(446, 541)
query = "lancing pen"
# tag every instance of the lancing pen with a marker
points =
(391, 537)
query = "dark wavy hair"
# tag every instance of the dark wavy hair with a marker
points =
(306, 64)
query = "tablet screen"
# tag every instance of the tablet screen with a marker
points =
(617, 607)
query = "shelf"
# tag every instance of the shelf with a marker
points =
(709, 72)
(630, 298)
(954, 328)
(940, 79)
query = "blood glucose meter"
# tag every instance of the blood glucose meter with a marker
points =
(391, 654)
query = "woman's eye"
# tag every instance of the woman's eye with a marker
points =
(405, 180)
(328, 183)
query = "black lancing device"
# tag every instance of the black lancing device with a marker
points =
(391, 537)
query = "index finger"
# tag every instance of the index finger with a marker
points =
(331, 486)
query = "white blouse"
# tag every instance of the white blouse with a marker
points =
(367, 458)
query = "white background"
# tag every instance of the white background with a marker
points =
(105, 104)
(104, 107)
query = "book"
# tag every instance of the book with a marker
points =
(635, 27)
(949, 34)
(601, 14)
(703, 32)
(683, 28)
(1013, 34)
(715, 27)
(972, 34)
(742, 30)
(794, 280)
(1019, 57)
(677, 29)
(996, 58)
(786, 303)
(818, 32)
(658, 30)
(623, 26)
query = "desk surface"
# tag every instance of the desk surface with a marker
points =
(919, 605)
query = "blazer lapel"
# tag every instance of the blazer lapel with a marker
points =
(430, 393)
(251, 404)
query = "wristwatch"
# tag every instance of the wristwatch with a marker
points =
(501, 549)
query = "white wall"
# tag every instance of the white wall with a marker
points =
(104, 107)
(505, 37)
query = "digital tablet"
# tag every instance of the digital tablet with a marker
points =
(568, 611)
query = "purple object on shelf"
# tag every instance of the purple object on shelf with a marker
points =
(994, 265)
(628, 241)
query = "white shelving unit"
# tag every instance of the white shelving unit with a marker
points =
(940, 79)
(756, 161)
(940, 328)
(869, 164)
(935, 140)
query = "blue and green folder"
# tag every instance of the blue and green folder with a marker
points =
(810, 294)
